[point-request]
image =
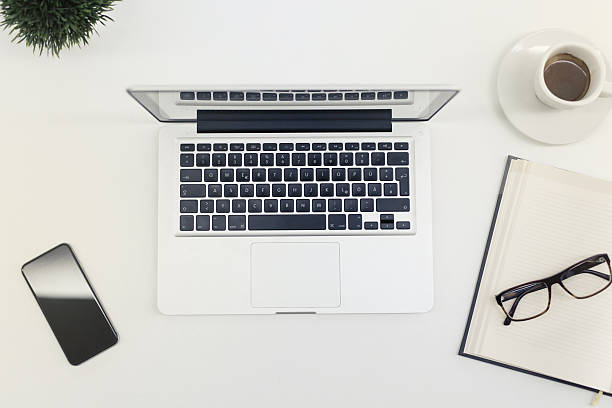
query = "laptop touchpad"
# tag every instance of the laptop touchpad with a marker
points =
(292, 274)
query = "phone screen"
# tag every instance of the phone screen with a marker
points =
(69, 304)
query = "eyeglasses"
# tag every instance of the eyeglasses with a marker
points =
(532, 299)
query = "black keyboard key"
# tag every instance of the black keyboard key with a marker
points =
(285, 147)
(387, 217)
(369, 174)
(370, 225)
(189, 206)
(239, 206)
(335, 96)
(259, 175)
(262, 190)
(187, 96)
(253, 147)
(203, 96)
(343, 189)
(402, 225)
(279, 190)
(319, 147)
(218, 159)
(202, 222)
(302, 146)
(222, 206)
(204, 147)
(354, 174)
(193, 190)
(227, 175)
(306, 174)
(302, 97)
(186, 160)
(269, 96)
(392, 204)
(251, 159)
(191, 175)
(384, 95)
(346, 159)
(301, 222)
(275, 174)
(236, 96)
(243, 175)
(286, 205)
(255, 206)
(285, 97)
(203, 159)
(351, 146)
(390, 189)
(314, 159)
(318, 96)
(234, 159)
(318, 205)
(311, 190)
(338, 174)
(207, 206)
(400, 95)
(218, 222)
(236, 147)
(378, 159)
(386, 225)
(211, 175)
(351, 96)
(270, 205)
(368, 146)
(337, 222)
(186, 223)
(362, 159)
(374, 189)
(402, 175)
(294, 190)
(368, 96)
(236, 223)
(247, 190)
(354, 222)
(282, 159)
(253, 96)
(330, 159)
(291, 174)
(359, 189)
(336, 146)
(187, 147)
(366, 205)
(298, 159)
(326, 189)
(220, 96)
(385, 146)
(267, 159)
(397, 158)
(334, 205)
(351, 205)
(220, 147)
(400, 145)
(270, 147)
(322, 174)
(386, 173)
(302, 205)
(215, 190)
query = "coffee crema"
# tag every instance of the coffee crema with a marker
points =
(567, 77)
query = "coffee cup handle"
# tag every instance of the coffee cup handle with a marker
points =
(606, 92)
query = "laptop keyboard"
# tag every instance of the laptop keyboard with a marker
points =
(281, 187)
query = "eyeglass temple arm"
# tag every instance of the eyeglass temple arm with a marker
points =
(577, 271)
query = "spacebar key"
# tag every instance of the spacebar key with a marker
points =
(287, 222)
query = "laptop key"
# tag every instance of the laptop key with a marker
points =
(236, 96)
(236, 147)
(253, 96)
(311, 190)
(370, 225)
(374, 189)
(385, 146)
(318, 96)
(369, 174)
(359, 189)
(218, 222)
(302, 222)
(338, 174)
(384, 95)
(253, 147)
(397, 158)
(378, 159)
(291, 174)
(187, 147)
(243, 175)
(191, 175)
(286, 205)
(390, 189)
(343, 190)
(319, 147)
(354, 174)
(207, 206)
(203, 96)
(202, 222)
(362, 159)
(368, 96)
(247, 190)
(285, 147)
(326, 189)
(285, 97)
(275, 174)
(211, 175)
(220, 96)
(222, 206)
(254, 206)
(298, 159)
(354, 222)
(279, 190)
(203, 159)
(204, 147)
(368, 146)
(227, 175)
(187, 160)
(334, 205)
(330, 159)
(270, 147)
(186, 223)
(346, 159)
(214, 190)
(302, 146)
(238, 206)
(386, 173)
(218, 159)
(251, 159)
(366, 205)
(400, 95)
(402, 175)
(314, 159)
(294, 190)
(306, 174)
(302, 205)
(282, 159)
(318, 205)
(234, 159)
(267, 159)
(271, 205)
(351, 96)
(268, 96)
(392, 204)
(350, 205)
(189, 206)
(193, 190)
(262, 190)
(336, 146)
(337, 222)
(236, 223)
(322, 174)
(400, 145)
(259, 175)
(220, 147)
(402, 225)
(335, 96)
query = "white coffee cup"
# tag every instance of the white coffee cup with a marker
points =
(596, 65)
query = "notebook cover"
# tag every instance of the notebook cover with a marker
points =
(462, 351)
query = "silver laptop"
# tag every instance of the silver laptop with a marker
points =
(294, 199)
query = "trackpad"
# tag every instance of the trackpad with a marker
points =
(295, 274)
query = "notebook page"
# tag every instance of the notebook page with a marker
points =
(559, 218)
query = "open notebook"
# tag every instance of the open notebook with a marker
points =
(546, 219)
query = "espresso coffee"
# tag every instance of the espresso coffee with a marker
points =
(567, 77)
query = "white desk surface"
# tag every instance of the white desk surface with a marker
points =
(78, 164)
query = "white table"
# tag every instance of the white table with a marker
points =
(78, 164)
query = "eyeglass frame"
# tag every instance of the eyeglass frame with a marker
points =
(549, 282)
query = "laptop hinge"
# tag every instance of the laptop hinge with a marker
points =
(275, 121)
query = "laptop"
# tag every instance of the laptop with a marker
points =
(287, 199)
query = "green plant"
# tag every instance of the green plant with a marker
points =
(53, 25)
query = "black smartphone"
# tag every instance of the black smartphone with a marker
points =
(69, 304)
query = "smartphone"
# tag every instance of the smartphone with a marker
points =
(69, 304)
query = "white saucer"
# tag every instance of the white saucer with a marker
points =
(525, 111)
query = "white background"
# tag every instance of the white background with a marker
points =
(78, 164)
